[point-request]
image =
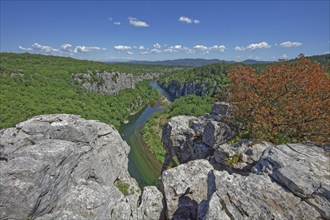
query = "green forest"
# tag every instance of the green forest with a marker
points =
(37, 84)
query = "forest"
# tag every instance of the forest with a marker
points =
(37, 84)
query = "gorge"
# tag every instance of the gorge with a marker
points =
(66, 166)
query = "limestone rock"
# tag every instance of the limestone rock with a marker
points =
(216, 133)
(184, 187)
(254, 197)
(110, 82)
(200, 88)
(179, 139)
(220, 108)
(303, 169)
(152, 204)
(61, 167)
(240, 156)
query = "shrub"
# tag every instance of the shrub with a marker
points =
(288, 101)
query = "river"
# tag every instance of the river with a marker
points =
(142, 165)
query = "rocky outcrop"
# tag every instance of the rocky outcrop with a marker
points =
(110, 83)
(65, 167)
(248, 179)
(189, 138)
(178, 89)
(185, 187)
(253, 197)
(303, 169)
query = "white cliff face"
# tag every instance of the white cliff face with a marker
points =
(200, 88)
(110, 82)
(65, 167)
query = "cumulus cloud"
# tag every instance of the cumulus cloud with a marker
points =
(43, 48)
(168, 50)
(135, 22)
(155, 51)
(206, 50)
(261, 45)
(85, 49)
(129, 52)
(200, 47)
(220, 48)
(187, 20)
(176, 47)
(141, 47)
(290, 44)
(117, 23)
(157, 45)
(24, 48)
(66, 47)
(122, 47)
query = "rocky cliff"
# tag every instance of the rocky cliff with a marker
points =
(249, 179)
(178, 89)
(110, 82)
(65, 167)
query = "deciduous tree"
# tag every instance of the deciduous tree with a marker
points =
(288, 101)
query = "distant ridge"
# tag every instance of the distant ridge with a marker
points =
(194, 62)
(183, 62)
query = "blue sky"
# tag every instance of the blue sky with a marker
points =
(158, 30)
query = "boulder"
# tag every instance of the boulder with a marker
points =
(304, 169)
(184, 188)
(254, 197)
(216, 133)
(240, 156)
(61, 166)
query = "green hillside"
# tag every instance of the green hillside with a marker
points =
(37, 84)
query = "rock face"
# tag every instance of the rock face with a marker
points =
(303, 169)
(249, 179)
(65, 167)
(177, 89)
(185, 187)
(109, 83)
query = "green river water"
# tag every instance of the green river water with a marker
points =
(142, 165)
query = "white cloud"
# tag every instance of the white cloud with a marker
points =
(187, 20)
(66, 47)
(117, 23)
(261, 45)
(157, 45)
(135, 22)
(220, 48)
(206, 50)
(85, 49)
(122, 47)
(290, 44)
(200, 47)
(145, 52)
(170, 51)
(25, 49)
(141, 47)
(129, 52)
(196, 21)
(155, 51)
(46, 49)
(176, 47)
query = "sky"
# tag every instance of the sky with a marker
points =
(161, 30)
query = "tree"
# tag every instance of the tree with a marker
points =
(289, 101)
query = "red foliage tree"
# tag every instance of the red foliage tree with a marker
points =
(288, 101)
